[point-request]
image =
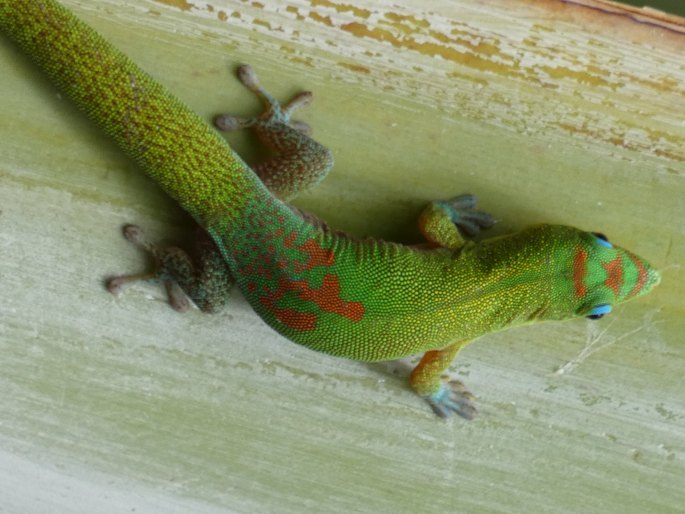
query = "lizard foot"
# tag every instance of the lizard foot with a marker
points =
(452, 398)
(297, 161)
(443, 221)
(177, 299)
(203, 278)
(463, 214)
(273, 112)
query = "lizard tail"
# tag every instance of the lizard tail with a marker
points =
(173, 145)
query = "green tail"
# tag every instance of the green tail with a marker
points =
(175, 147)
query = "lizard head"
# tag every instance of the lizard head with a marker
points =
(597, 274)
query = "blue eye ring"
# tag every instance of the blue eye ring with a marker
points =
(602, 240)
(599, 311)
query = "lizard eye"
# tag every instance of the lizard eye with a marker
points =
(599, 311)
(602, 239)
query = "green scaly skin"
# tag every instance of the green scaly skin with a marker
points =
(365, 299)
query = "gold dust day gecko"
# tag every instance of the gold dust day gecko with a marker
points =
(363, 299)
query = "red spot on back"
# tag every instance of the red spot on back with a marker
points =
(579, 272)
(317, 255)
(300, 258)
(614, 279)
(297, 320)
(290, 239)
(327, 298)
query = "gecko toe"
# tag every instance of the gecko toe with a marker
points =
(463, 214)
(453, 398)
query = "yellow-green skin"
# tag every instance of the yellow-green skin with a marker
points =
(361, 299)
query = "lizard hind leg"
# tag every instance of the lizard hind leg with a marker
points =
(446, 397)
(298, 161)
(203, 277)
(443, 221)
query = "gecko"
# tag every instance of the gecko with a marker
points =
(358, 298)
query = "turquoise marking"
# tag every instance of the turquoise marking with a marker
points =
(600, 310)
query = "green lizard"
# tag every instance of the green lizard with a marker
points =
(362, 299)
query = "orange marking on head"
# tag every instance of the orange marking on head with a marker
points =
(641, 276)
(614, 279)
(579, 272)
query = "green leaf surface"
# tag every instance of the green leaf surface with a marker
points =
(563, 112)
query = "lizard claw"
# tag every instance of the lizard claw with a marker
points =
(177, 299)
(274, 111)
(452, 398)
(463, 215)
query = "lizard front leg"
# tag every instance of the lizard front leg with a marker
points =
(440, 223)
(446, 397)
